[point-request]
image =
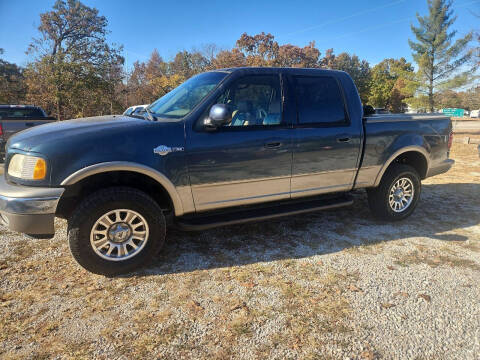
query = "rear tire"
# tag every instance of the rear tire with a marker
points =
(397, 194)
(134, 229)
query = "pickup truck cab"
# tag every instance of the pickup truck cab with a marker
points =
(227, 146)
(15, 118)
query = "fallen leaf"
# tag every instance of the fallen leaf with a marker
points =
(249, 285)
(195, 305)
(243, 305)
(390, 267)
(426, 297)
(367, 354)
(388, 305)
(401, 293)
(354, 288)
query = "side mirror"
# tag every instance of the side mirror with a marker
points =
(368, 110)
(219, 115)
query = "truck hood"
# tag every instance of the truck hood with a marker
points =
(29, 139)
(69, 146)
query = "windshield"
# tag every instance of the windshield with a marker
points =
(181, 100)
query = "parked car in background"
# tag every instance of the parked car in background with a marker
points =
(475, 114)
(15, 118)
(225, 147)
(381, 111)
(134, 108)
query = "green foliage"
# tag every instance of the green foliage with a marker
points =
(358, 69)
(392, 81)
(440, 59)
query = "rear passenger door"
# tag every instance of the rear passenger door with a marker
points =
(326, 144)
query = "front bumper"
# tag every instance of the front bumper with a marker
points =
(441, 168)
(28, 209)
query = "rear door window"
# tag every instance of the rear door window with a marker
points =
(319, 101)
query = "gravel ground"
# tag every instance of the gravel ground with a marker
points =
(336, 284)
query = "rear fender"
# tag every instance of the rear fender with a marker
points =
(403, 144)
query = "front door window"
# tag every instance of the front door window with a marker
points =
(255, 101)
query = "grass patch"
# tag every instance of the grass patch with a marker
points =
(434, 259)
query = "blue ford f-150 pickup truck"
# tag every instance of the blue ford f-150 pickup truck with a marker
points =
(225, 147)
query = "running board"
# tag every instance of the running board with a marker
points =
(208, 221)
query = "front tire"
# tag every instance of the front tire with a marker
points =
(116, 230)
(397, 194)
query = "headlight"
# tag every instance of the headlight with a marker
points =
(27, 167)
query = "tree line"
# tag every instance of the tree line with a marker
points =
(74, 72)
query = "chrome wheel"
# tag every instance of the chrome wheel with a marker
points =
(401, 195)
(119, 235)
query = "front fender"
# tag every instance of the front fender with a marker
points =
(133, 167)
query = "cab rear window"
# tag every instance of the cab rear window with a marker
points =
(20, 113)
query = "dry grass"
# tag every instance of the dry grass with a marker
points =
(435, 259)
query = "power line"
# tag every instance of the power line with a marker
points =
(337, 20)
(366, 11)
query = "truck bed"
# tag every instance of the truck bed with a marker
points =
(387, 134)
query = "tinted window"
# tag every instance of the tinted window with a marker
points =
(254, 100)
(319, 100)
(20, 113)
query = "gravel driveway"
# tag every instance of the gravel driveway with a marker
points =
(335, 284)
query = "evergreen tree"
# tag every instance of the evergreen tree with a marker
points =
(439, 59)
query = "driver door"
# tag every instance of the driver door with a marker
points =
(248, 160)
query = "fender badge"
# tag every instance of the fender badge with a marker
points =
(163, 150)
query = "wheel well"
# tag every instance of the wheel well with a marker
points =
(73, 194)
(415, 159)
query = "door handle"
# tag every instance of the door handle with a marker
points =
(273, 145)
(343, 140)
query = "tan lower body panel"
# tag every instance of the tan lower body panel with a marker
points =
(221, 195)
(367, 176)
(322, 183)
